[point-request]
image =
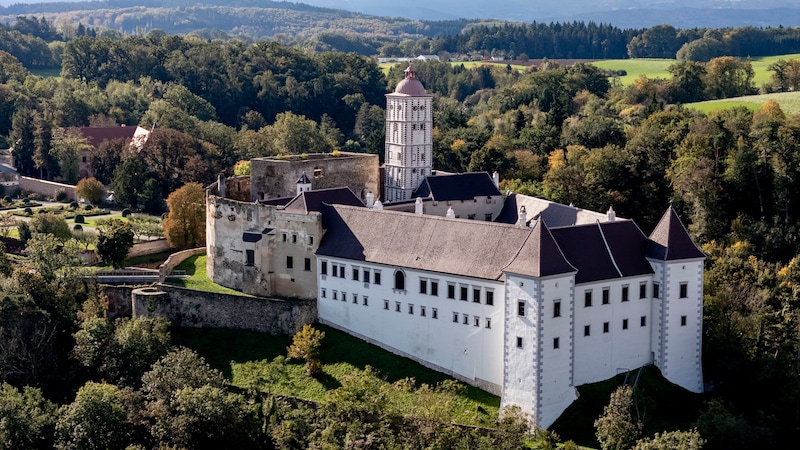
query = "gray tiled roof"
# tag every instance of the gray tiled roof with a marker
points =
(554, 214)
(670, 241)
(313, 200)
(460, 186)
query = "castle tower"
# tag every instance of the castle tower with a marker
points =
(303, 184)
(409, 148)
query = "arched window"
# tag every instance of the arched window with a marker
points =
(399, 280)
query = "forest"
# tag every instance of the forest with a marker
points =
(564, 132)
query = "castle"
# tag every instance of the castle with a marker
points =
(520, 296)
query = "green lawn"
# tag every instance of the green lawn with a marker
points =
(789, 101)
(651, 68)
(244, 357)
(195, 268)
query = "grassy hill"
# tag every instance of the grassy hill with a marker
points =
(789, 101)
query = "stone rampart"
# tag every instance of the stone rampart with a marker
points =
(175, 259)
(148, 248)
(189, 308)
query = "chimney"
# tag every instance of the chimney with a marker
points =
(450, 213)
(378, 206)
(496, 179)
(418, 206)
(221, 185)
(612, 216)
(370, 199)
(522, 217)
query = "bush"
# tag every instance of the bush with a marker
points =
(28, 210)
(88, 207)
(126, 212)
(77, 227)
(61, 196)
(74, 205)
(26, 200)
(79, 218)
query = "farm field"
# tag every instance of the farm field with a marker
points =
(789, 102)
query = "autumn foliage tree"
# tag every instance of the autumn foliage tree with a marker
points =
(185, 224)
(91, 190)
(305, 346)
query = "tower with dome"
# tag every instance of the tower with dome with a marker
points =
(409, 148)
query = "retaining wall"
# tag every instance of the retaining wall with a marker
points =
(175, 259)
(189, 308)
(148, 248)
(46, 188)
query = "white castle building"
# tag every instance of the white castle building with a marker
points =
(523, 297)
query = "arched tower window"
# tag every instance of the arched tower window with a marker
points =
(400, 280)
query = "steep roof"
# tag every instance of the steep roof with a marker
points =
(461, 186)
(540, 256)
(554, 214)
(670, 241)
(431, 243)
(313, 200)
(97, 135)
(604, 251)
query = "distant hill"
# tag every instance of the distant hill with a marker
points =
(621, 13)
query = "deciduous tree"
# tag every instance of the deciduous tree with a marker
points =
(114, 242)
(91, 190)
(185, 224)
(617, 428)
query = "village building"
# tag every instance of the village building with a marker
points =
(520, 296)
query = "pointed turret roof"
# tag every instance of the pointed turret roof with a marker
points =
(670, 241)
(303, 179)
(540, 256)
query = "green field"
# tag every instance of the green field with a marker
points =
(789, 101)
(195, 268)
(651, 68)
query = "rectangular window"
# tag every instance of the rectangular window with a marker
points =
(397, 306)
(476, 295)
(477, 321)
(435, 288)
(423, 286)
(289, 262)
(587, 330)
(464, 291)
(307, 265)
(489, 297)
(356, 272)
(323, 267)
(377, 277)
(556, 343)
(284, 237)
(624, 324)
(355, 298)
(451, 290)
(250, 257)
(434, 313)
(386, 304)
(344, 296)
(488, 323)
(335, 295)
(624, 293)
(643, 290)
(422, 311)
(410, 308)
(324, 294)
(656, 290)
(606, 296)
(334, 270)
(487, 217)
(519, 342)
(605, 327)
(587, 299)
(521, 308)
(683, 321)
(684, 290)
(294, 239)
(365, 302)
(557, 309)
(366, 276)
(455, 317)
(643, 321)
(466, 319)
(311, 240)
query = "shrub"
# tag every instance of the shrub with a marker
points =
(79, 218)
(61, 196)
(78, 226)
(74, 205)
(28, 211)
(126, 212)
(88, 207)
(26, 200)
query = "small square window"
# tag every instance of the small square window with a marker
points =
(434, 313)
(519, 342)
(605, 327)
(488, 323)
(643, 321)
(451, 290)
(435, 288)
(521, 308)
(587, 330)
(556, 343)
(289, 262)
(587, 299)
(683, 321)
(455, 317)
(684, 290)
(557, 309)
(624, 324)
(397, 306)
(624, 293)
(423, 286)
(606, 296)
(490, 298)
(307, 265)
(386, 304)
(643, 290)
(464, 291)
(422, 311)
(476, 295)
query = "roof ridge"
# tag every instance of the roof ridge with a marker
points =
(430, 216)
(608, 249)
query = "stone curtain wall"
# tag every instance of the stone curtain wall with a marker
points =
(175, 259)
(148, 248)
(188, 308)
(46, 188)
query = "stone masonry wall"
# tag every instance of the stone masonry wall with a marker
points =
(46, 188)
(188, 308)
